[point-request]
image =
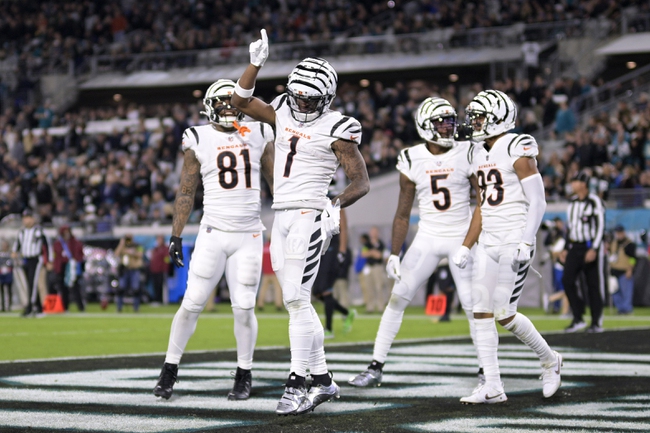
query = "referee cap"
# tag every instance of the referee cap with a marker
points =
(28, 212)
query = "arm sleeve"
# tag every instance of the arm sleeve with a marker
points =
(534, 189)
(347, 128)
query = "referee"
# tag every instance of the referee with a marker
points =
(584, 253)
(32, 245)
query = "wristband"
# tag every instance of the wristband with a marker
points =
(244, 93)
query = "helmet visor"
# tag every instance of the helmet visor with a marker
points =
(305, 104)
(444, 126)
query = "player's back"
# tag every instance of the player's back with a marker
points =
(230, 170)
(304, 160)
(442, 187)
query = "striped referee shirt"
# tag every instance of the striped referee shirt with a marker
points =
(32, 243)
(586, 221)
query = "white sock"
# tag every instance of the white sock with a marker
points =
(525, 331)
(317, 362)
(389, 326)
(183, 326)
(472, 332)
(301, 335)
(487, 342)
(246, 335)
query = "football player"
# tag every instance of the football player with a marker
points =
(311, 141)
(438, 173)
(227, 155)
(512, 206)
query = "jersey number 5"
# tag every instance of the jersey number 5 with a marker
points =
(445, 203)
(493, 175)
(230, 168)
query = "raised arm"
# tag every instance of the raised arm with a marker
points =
(243, 98)
(402, 214)
(354, 167)
(190, 177)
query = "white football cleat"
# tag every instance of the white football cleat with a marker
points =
(550, 377)
(486, 394)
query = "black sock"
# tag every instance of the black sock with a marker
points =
(375, 365)
(295, 381)
(321, 379)
(241, 372)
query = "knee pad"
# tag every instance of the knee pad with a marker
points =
(296, 305)
(244, 300)
(190, 305)
(203, 265)
(397, 302)
(295, 247)
(501, 302)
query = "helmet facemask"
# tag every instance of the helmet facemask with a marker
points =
(218, 107)
(311, 89)
(491, 113)
(436, 121)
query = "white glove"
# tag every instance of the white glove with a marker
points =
(259, 50)
(392, 268)
(522, 255)
(330, 223)
(461, 257)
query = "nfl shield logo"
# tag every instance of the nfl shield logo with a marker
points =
(438, 163)
(230, 138)
(487, 157)
(209, 230)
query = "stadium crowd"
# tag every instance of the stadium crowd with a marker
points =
(129, 177)
(46, 36)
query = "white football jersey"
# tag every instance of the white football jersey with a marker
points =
(504, 206)
(230, 169)
(442, 187)
(304, 160)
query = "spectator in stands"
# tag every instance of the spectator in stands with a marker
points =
(622, 262)
(565, 120)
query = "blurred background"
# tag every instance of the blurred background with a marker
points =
(95, 95)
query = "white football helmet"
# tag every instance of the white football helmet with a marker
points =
(217, 104)
(311, 88)
(491, 113)
(435, 120)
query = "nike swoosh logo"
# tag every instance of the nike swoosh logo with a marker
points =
(302, 212)
(256, 235)
(487, 397)
(353, 137)
(526, 148)
(558, 367)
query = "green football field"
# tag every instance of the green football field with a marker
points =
(99, 333)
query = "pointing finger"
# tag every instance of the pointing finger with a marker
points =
(265, 39)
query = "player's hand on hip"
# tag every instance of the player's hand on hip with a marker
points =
(393, 268)
(259, 50)
(176, 251)
(461, 257)
(522, 256)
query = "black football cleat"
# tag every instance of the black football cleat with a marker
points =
(168, 377)
(241, 390)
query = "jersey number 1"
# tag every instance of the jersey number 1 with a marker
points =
(293, 143)
(230, 168)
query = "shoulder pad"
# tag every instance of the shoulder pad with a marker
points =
(523, 145)
(347, 128)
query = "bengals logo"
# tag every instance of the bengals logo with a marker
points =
(243, 130)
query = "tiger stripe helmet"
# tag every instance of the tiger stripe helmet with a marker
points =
(224, 114)
(435, 120)
(496, 110)
(311, 89)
